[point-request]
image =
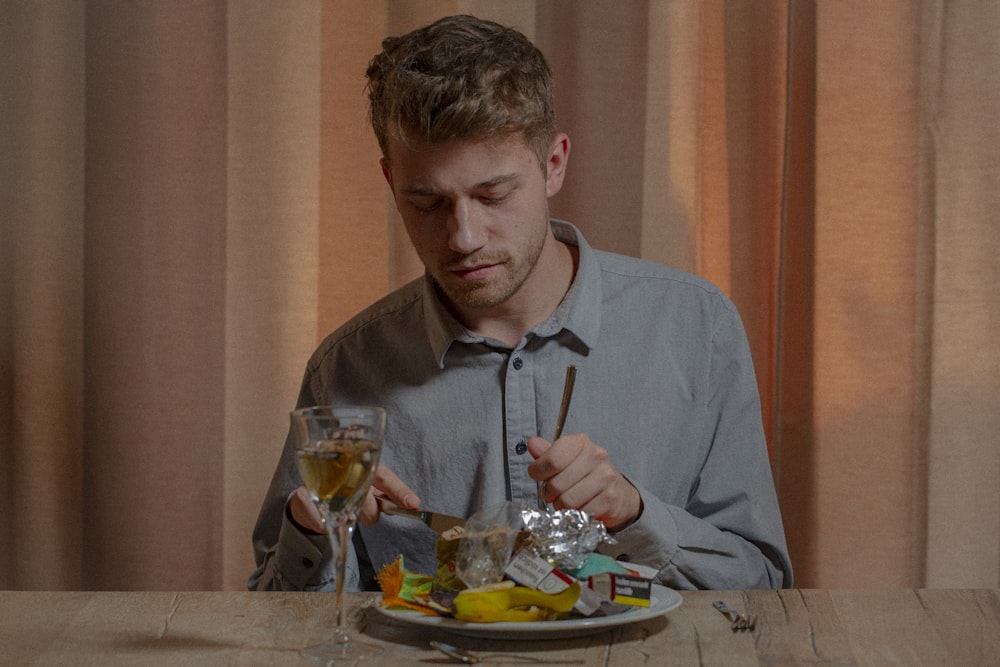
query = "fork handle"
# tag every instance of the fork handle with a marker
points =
(721, 606)
(726, 611)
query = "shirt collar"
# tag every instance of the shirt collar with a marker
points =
(579, 313)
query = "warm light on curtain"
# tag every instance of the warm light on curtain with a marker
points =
(190, 199)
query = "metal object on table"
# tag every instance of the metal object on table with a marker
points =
(560, 421)
(460, 654)
(436, 521)
(471, 657)
(737, 620)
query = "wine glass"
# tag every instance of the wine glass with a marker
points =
(337, 451)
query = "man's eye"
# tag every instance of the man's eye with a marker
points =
(493, 201)
(426, 207)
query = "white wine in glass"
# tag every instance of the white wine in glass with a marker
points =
(337, 451)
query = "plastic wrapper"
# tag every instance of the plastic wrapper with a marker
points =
(446, 550)
(564, 538)
(487, 544)
(402, 589)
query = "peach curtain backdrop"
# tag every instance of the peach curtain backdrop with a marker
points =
(190, 199)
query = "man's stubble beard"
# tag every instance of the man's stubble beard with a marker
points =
(489, 293)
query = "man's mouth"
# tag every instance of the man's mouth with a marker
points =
(478, 271)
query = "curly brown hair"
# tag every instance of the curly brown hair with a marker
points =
(461, 78)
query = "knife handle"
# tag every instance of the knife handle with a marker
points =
(413, 514)
(389, 507)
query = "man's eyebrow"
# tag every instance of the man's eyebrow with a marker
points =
(496, 180)
(418, 191)
(422, 191)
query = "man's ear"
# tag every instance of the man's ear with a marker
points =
(555, 165)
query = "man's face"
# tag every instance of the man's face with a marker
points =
(476, 213)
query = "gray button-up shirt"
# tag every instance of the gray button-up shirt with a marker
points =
(664, 383)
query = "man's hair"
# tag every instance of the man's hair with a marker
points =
(461, 78)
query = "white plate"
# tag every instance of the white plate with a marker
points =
(662, 600)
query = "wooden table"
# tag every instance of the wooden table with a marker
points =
(815, 627)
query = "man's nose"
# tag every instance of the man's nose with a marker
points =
(465, 230)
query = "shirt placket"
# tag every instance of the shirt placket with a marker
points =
(520, 424)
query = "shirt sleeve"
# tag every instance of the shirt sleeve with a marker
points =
(294, 562)
(287, 557)
(729, 534)
(691, 553)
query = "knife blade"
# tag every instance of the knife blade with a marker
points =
(436, 521)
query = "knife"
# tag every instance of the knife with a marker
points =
(437, 522)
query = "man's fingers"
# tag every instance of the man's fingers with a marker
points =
(538, 446)
(386, 485)
(304, 511)
(580, 475)
(368, 514)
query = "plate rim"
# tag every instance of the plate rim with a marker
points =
(664, 600)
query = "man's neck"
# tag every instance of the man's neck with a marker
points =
(550, 281)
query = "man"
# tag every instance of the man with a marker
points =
(664, 440)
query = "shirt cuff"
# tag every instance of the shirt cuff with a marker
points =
(301, 557)
(649, 540)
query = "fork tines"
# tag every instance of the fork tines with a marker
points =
(737, 620)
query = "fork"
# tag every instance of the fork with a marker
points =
(737, 620)
(563, 409)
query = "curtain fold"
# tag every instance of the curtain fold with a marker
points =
(865, 363)
(960, 165)
(190, 199)
(154, 294)
(42, 147)
(273, 134)
(794, 398)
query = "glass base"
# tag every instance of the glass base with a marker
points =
(333, 652)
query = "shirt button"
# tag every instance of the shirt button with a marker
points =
(518, 363)
(521, 447)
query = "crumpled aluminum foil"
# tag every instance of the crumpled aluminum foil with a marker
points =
(564, 538)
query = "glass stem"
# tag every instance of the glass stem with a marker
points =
(344, 527)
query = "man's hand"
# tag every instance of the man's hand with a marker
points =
(304, 512)
(386, 485)
(579, 475)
